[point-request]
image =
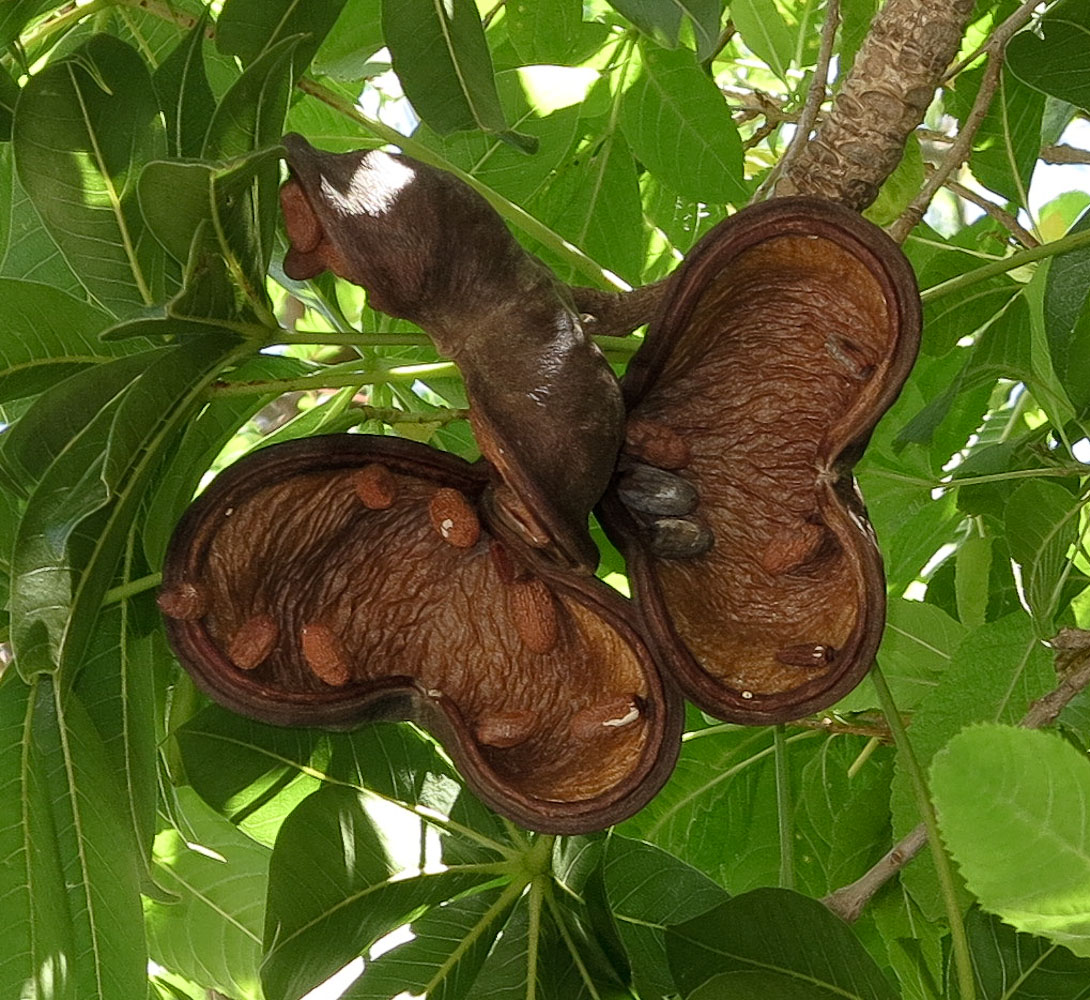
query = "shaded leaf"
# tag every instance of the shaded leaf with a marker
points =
(184, 94)
(662, 20)
(551, 31)
(1055, 57)
(1038, 798)
(765, 33)
(249, 28)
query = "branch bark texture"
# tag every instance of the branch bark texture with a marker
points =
(902, 61)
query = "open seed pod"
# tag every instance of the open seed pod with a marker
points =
(785, 335)
(332, 580)
(545, 406)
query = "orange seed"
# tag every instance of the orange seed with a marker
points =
(251, 645)
(325, 655)
(375, 486)
(532, 610)
(454, 519)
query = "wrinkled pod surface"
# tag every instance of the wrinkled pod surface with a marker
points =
(544, 404)
(338, 579)
(785, 335)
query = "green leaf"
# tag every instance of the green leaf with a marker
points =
(181, 85)
(649, 890)
(70, 874)
(1008, 142)
(679, 126)
(780, 932)
(1038, 799)
(338, 881)
(551, 32)
(442, 60)
(1042, 522)
(1013, 966)
(1054, 57)
(9, 94)
(765, 33)
(249, 28)
(16, 14)
(45, 335)
(212, 934)
(974, 567)
(83, 127)
(760, 986)
(661, 20)
(356, 35)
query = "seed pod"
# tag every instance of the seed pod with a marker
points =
(375, 486)
(533, 613)
(786, 333)
(184, 601)
(251, 645)
(454, 519)
(325, 655)
(653, 442)
(654, 491)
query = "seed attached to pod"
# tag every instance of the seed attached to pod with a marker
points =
(504, 730)
(183, 601)
(325, 655)
(251, 645)
(454, 519)
(657, 444)
(604, 717)
(679, 538)
(649, 490)
(792, 548)
(375, 486)
(532, 610)
(807, 655)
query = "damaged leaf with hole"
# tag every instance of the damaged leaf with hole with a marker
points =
(544, 404)
(338, 579)
(784, 337)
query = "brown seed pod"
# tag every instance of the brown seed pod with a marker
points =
(786, 334)
(454, 519)
(377, 615)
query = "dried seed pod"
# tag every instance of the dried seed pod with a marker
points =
(252, 643)
(375, 486)
(649, 490)
(454, 519)
(655, 443)
(787, 332)
(379, 616)
(532, 610)
(544, 403)
(183, 600)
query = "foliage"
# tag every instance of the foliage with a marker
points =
(148, 337)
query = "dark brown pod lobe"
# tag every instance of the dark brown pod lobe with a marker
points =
(379, 616)
(786, 334)
(544, 403)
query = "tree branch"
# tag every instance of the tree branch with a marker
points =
(861, 141)
(1001, 215)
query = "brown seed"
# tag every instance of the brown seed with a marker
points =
(807, 655)
(375, 486)
(184, 601)
(792, 548)
(532, 610)
(605, 717)
(654, 491)
(325, 655)
(506, 729)
(679, 537)
(251, 645)
(655, 443)
(454, 519)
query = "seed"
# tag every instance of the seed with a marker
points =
(532, 610)
(506, 729)
(679, 538)
(325, 655)
(184, 601)
(655, 443)
(605, 716)
(654, 491)
(807, 655)
(375, 486)
(454, 519)
(792, 548)
(251, 645)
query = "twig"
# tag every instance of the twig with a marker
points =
(814, 99)
(962, 146)
(848, 901)
(1001, 215)
(1063, 153)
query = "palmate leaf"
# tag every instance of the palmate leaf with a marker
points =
(70, 875)
(1038, 799)
(441, 57)
(83, 126)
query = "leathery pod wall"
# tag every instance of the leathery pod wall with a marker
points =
(339, 579)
